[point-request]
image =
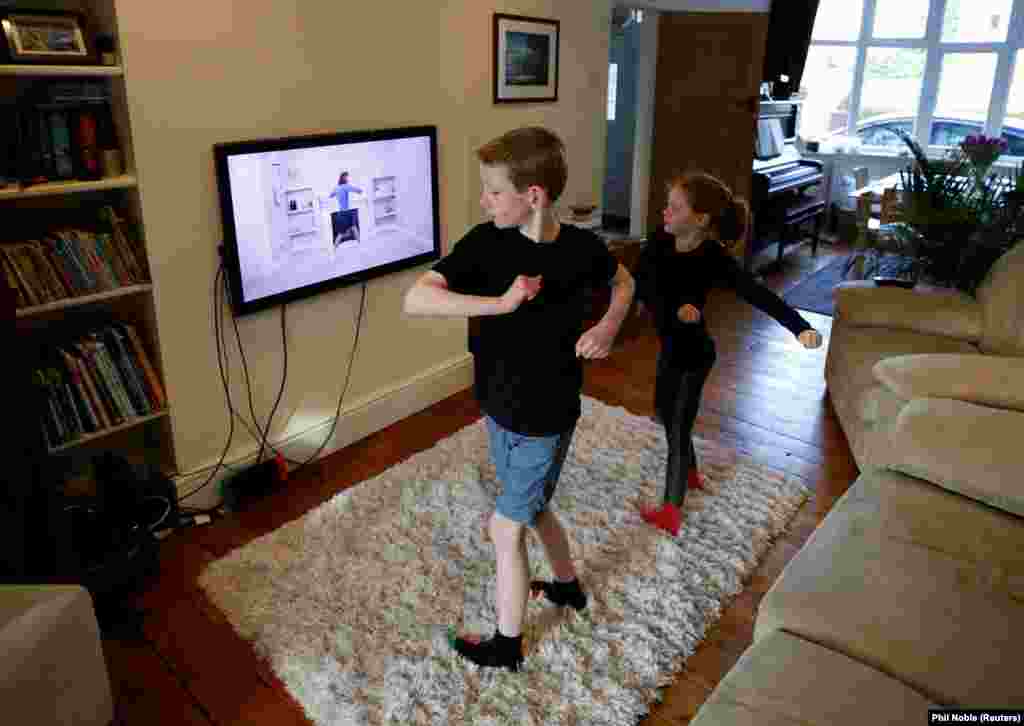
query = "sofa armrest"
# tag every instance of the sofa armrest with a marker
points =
(52, 670)
(965, 448)
(990, 380)
(948, 313)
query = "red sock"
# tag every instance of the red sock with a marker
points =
(695, 480)
(667, 517)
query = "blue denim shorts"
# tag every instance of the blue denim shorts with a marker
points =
(528, 468)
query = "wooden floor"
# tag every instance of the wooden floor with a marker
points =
(765, 396)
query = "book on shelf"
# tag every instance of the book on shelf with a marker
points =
(99, 379)
(62, 127)
(68, 262)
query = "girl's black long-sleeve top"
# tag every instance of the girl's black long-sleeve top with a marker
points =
(667, 279)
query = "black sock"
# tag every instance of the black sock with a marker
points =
(562, 593)
(500, 651)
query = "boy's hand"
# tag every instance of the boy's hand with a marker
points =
(596, 342)
(523, 288)
(810, 338)
(688, 314)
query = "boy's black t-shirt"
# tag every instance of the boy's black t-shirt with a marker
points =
(528, 377)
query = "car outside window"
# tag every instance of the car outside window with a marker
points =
(882, 134)
(1015, 143)
(950, 133)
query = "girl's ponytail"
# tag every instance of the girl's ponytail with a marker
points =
(734, 223)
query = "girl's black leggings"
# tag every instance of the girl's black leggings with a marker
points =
(677, 394)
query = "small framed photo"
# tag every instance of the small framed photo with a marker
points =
(36, 36)
(525, 59)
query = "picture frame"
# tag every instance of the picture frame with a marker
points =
(526, 59)
(44, 36)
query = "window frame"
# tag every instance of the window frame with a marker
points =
(935, 51)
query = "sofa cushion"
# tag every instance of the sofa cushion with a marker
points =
(966, 448)
(932, 311)
(783, 680)
(853, 351)
(1001, 295)
(916, 581)
(992, 380)
(852, 354)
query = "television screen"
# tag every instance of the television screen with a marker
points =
(306, 214)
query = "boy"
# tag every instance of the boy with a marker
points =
(525, 276)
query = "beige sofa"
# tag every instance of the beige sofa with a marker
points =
(911, 592)
(52, 670)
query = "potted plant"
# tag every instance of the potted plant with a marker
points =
(955, 208)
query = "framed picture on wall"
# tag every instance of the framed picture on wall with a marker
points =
(525, 59)
(41, 36)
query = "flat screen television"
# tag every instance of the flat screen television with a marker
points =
(305, 214)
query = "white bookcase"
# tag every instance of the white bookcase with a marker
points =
(385, 201)
(143, 437)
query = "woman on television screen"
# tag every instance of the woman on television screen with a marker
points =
(344, 222)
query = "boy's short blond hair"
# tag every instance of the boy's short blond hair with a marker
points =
(533, 156)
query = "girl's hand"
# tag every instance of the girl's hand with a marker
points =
(688, 314)
(810, 338)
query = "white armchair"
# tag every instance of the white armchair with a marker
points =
(52, 670)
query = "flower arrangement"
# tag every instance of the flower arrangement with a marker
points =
(983, 150)
(981, 153)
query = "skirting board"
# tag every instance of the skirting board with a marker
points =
(358, 420)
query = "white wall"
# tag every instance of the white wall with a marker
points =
(199, 73)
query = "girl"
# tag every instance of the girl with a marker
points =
(681, 262)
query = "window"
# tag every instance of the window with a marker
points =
(906, 20)
(892, 83)
(938, 69)
(828, 75)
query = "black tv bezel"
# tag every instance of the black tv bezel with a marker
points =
(232, 267)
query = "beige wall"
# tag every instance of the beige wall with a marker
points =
(199, 73)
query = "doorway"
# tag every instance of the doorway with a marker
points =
(631, 62)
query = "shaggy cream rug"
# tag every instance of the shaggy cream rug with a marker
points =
(351, 603)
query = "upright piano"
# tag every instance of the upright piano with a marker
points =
(787, 189)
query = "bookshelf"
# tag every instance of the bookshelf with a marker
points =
(83, 300)
(44, 71)
(108, 432)
(57, 188)
(85, 310)
(385, 200)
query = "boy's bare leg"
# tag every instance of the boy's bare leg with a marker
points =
(565, 590)
(505, 649)
(556, 545)
(513, 573)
